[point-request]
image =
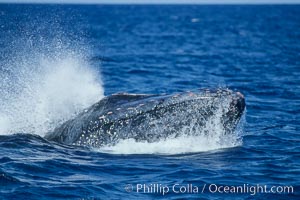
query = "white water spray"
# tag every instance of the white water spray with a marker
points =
(41, 90)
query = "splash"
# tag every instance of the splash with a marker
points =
(41, 89)
(180, 145)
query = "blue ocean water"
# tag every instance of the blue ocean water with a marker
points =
(55, 60)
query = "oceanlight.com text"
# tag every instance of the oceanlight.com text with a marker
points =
(163, 189)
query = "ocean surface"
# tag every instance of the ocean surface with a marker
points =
(56, 60)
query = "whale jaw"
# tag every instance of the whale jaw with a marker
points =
(151, 117)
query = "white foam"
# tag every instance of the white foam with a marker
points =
(180, 145)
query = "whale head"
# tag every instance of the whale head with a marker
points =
(152, 117)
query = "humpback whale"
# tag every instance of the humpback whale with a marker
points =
(147, 117)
